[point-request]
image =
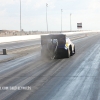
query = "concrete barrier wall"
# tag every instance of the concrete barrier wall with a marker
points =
(18, 38)
(29, 37)
(15, 33)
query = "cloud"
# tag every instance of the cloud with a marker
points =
(6, 2)
(41, 3)
(2, 12)
(11, 2)
(94, 5)
(33, 13)
(27, 2)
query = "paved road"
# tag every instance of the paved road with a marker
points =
(74, 78)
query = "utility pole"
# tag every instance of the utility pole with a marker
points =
(20, 15)
(70, 23)
(46, 17)
(61, 20)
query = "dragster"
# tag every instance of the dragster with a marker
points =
(56, 45)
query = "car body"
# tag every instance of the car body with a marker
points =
(56, 45)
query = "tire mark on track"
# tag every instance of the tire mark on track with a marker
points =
(32, 83)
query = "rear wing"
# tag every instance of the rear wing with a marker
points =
(60, 37)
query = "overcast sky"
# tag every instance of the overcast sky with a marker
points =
(34, 14)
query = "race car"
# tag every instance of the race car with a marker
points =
(56, 46)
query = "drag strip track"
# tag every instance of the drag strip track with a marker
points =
(15, 46)
(71, 78)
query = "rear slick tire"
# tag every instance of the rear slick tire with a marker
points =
(71, 52)
(74, 49)
(68, 53)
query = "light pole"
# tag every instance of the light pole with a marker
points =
(46, 17)
(70, 22)
(20, 15)
(61, 20)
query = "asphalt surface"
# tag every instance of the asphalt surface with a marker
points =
(34, 78)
